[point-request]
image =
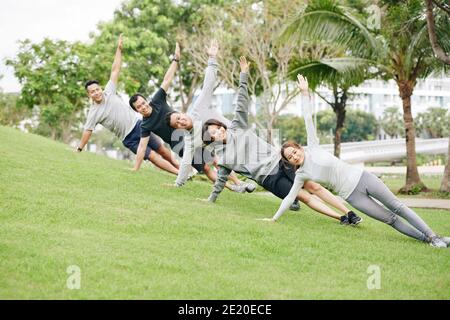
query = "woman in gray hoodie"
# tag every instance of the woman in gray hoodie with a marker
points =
(240, 150)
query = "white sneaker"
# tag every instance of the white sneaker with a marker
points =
(249, 187)
(446, 240)
(192, 174)
(238, 188)
(437, 242)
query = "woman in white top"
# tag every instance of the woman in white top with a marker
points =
(355, 185)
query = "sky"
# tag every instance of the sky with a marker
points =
(38, 19)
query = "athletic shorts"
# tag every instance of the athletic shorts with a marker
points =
(202, 157)
(131, 141)
(281, 180)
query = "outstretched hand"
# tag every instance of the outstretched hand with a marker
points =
(303, 84)
(245, 66)
(267, 220)
(213, 48)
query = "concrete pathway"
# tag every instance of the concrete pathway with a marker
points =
(425, 170)
(410, 202)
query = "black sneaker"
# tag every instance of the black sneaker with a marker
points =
(354, 219)
(345, 221)
(295, 206)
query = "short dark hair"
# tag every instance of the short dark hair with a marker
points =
(169, 115)
(206, 137)
(134, 98)
(90, 82)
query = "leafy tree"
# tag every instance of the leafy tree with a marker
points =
(10, 113)
(400, 50)
(391, 122)
(150, 28)
(51, 74)
(250, 29)
(292, 128)
(434, 123)
(359, 125)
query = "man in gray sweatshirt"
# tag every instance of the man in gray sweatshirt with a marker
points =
(192, 121)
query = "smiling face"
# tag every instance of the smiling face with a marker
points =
(95, 92)
(217, 133)
(181, 121)
(294, 155)
(143, 107)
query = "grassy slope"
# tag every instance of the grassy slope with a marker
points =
(134, 238)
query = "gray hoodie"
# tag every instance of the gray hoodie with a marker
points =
(244, 152)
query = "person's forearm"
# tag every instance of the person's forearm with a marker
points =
(185, 166)
(289, 199)
(243, 101)
(170, 74)
(85, 139)
(310, 128)
(117, 61)
(222, 178)
(139, 158)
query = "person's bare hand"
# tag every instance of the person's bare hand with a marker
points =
(213, 48)
(267, 220)
(245, 65)
(303, 84)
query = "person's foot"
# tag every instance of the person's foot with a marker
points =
(192, 174)
(437, 242)
(345, 221)
(249, 187)
(239, 188)
(354, 219)
(295, 206)
(446, 240)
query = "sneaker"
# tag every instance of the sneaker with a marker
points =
(354, 219)
(446, 240)
(345, 221)
(238, 188)
(192, 174)
(249, 187)
(295, 206)
(437, 242)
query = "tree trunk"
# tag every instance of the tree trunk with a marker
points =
(437, 49)
(445, 185)
(412, 174)
(340, 119)
(339, 110)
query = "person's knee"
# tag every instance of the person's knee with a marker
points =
(389, 219)
(313, 187)
(304, 197)
(206, 168)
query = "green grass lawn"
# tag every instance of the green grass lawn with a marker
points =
(433, 182)
(134, 238)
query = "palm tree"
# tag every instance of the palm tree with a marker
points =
(400, 51)
(315, 61)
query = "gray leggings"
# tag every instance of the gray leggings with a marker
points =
(369, 187)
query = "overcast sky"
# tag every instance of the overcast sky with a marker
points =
(37, 19)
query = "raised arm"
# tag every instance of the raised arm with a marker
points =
(222, 178)
(117, 64)
(140, 155)
(312, 139)
(290, 198)
(204, 99)
(241, 113)
(170, 74)
(185, 165)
